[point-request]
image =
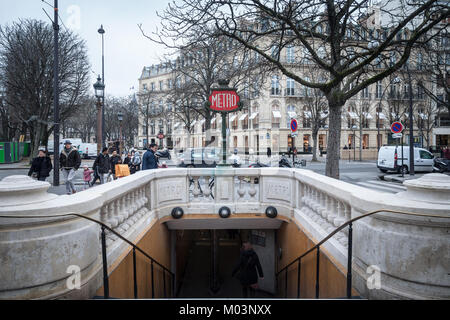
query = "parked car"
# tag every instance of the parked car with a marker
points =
(199, 158)
(163, 154)
(390, 159)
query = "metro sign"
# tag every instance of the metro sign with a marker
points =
(224, 100)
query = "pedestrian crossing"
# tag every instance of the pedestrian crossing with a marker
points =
(382, 186)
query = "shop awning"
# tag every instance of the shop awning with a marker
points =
(292, 114)
(232, 118)
(254, 115)
(176, 125)
(307, 114)
(353, 115)
(381, 116)
(276, 114)
(367, 115)
(213, 119)
(243, 117)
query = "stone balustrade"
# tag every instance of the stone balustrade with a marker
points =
(130, 205)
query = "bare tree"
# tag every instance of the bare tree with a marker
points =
(202, 61)
(345, 39)
(26, 66)
(83, 123)
(148, 109)
(128, 107)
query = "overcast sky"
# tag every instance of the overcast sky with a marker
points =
(126, 50)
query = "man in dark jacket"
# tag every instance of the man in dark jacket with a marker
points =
(101, 167)
(249, 268)
(149, 160)
(41, 165)
(115, 159)
(69, 161)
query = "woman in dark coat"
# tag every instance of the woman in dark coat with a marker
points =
(249, 268)
(41, 165)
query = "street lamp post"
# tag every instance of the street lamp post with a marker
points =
(411, 126)
(56, 115)
(99, 88)
(120, 118)
(102, 32)
(354, 127)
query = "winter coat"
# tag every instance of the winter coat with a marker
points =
(87, 175)
(115, 160)
(248, 266)
(149, 161)
(69, 160)
(42, 166)
(102, 164)
(136, 159)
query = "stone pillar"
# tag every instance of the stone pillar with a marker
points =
(39, 255)
(399, 256)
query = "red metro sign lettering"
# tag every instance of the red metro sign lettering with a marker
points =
(224, 100)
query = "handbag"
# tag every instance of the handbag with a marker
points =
(122, 170)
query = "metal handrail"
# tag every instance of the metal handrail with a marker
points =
(105, 265)
(349, 254)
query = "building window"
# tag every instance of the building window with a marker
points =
(290, 114)
(379, 90)
(276, 116)
(290, 87)
(161, 85)
(275, 90)
(290, 54)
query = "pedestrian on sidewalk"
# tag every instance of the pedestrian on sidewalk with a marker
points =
(136, 162)
(149, 160)
(115, 159)
(41, 165)
(87, 176)
(249, 268)
(69, 161)
(102, 167)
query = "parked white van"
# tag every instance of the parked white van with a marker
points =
(390, 159)
(88, 150)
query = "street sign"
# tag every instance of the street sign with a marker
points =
(160, 135)
(224, 100)
(397, 135)
(294, 125)
(397, 127)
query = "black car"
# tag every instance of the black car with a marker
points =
(163, 154)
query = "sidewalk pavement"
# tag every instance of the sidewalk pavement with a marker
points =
(24, 164)
(398, 178)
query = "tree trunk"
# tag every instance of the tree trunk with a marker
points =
(37, 133)
(360, 141)
(315, 132)
(334, 139)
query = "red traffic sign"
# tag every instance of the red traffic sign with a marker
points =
(160, 136)
(224, 100)
(294, 125)
(397, 127)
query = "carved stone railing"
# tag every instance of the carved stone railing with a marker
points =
(132, 204)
